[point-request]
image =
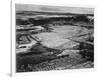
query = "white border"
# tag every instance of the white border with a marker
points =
(48, 73)
(13, 39)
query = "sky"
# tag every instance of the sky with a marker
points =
(58, 9)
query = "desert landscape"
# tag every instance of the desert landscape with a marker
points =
(54, 40)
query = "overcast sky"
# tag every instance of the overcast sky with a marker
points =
(30, 7)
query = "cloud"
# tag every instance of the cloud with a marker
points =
(30, 7)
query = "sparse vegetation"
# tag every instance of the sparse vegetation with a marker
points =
(40, 56)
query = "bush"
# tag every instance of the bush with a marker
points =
(81, 18)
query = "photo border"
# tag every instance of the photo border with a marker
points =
(44, 73)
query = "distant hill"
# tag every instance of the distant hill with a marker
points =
(46, 13)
